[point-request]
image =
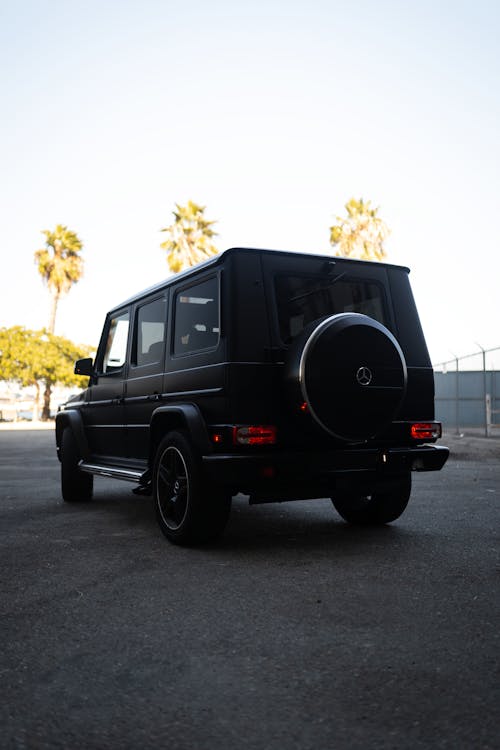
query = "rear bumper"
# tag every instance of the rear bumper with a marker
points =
(323, 468)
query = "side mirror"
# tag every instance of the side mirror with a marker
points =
(84, 367)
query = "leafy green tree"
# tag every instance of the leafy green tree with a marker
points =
(361, 234)
(35, 358)
(189, 238)
(60, 265)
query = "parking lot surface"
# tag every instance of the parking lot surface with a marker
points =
(293, 631)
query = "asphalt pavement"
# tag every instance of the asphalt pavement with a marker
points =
(295, 631)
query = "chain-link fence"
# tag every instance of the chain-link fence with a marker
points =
(468, 392)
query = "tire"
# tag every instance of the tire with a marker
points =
(348, 374)
(76, 485)
(188, 509)
(375, 509)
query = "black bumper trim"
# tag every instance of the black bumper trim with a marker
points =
(239, 468)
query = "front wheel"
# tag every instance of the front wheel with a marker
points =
(377, 508)
(188, 509)
(76, 486)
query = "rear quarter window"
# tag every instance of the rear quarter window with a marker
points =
(196, 321)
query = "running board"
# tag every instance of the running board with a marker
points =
(115, 472)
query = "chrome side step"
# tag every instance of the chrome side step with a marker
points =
(115, 472)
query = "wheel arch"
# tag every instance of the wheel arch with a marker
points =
(73, 419)
(184, 417)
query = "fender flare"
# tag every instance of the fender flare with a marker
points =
(73, 419)
(179, 416)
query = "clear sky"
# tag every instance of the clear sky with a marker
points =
(272, 113)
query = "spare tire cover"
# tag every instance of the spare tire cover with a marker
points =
(350, 373)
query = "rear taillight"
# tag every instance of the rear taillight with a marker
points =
(254, 434)
(426, 430)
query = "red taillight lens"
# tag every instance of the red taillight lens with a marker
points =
(426, 430)
(254, 435)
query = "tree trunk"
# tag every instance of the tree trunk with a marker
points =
(53, 310)
(46, 401)
(36, 404)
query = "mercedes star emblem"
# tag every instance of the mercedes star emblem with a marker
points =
(364, 376)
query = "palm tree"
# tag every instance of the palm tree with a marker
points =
(60, 265)
(189, 238)
(361, 234)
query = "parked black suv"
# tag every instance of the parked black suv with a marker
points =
(278, 375)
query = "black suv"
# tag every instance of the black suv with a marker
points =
(278, 375)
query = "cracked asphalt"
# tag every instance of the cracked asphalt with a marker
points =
(295, 631)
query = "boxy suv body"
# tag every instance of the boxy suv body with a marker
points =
(277, 375)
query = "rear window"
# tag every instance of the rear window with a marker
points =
(302, 299)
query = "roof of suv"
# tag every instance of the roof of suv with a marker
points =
(219, 258)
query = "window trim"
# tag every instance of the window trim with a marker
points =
(101, 352)
(135, 333)
(182, 289)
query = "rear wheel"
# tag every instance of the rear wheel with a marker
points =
(76, 485)
(189, 510)
(377, 508)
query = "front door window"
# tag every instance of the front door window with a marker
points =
(116, 345)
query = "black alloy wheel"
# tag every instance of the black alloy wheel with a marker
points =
(172, 488)
(188, 510)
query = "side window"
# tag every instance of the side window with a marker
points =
(150, 333)
(197, 317)
(116, 345)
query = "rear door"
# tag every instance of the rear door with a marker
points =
(144, 384)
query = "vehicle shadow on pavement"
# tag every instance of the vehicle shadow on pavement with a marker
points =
(299, 525)
(115, 503)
